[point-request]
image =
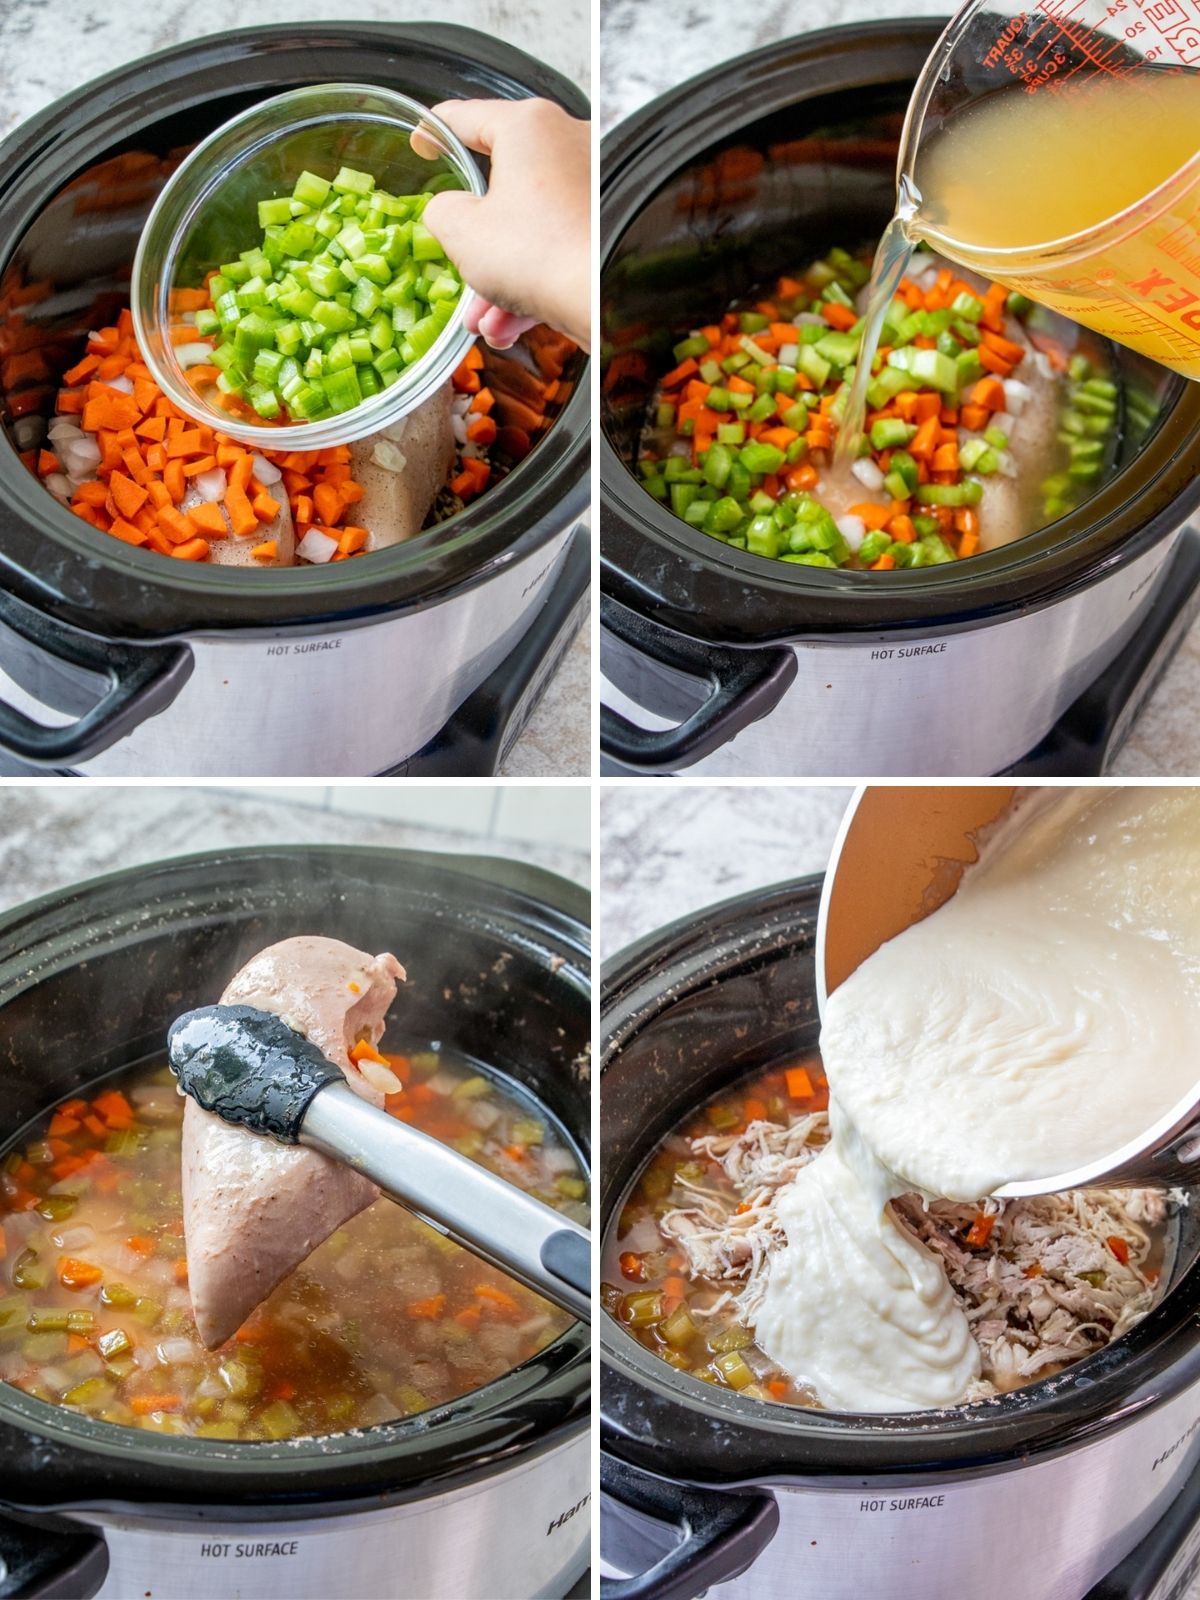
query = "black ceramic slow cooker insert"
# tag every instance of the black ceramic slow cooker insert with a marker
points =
(696, 1477)
(748, 171)
(84, 617)
(498, 969)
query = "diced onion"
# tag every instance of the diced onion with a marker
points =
(80, 455)
(1016, 395)
(389, 456)
(59, 486)
(852, 529)
(482, 1114)
(789, 354)
(1008, 467)
(316, 547)
(178, 1352)
(379, 1077)
(210, 485)
(123, 385)
(64, 428)
(265, 471)
(442, 1082)
(458, 427)
(27, 431)
(867, 473)
(396, 430)
(472, 451)
(77, 1238)
(809, 319)
(193, 355)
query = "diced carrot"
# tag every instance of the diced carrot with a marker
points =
(264, 508)
(128, 532)
(925, 441)
(175, 525)
(945, 458)
(801, 477)
(874, 516)
(328, 504)
(62, 1123)
(114, 1108)
(364, 1051)
(991, 362)
(1119, 1247)
(901, 529)
(80, 371)
(988, 393)
(268, 550)
(208, 518)
(838, 316)
(174, 479)
(112, 409)
(140, 1245)
(192, 550)
(130, 497)
(156, 458)
(469, 1317)
(353, 540)
(180, 1270)
(96, 1125)
(198, 465)
(799, 1083)
(974, 418)
(143, 1404)
(427, 1310)
(483, 402)
(69, 402)
(885, 563)
(241, 512)
(777, 1388)
(47, 462)
(979, 1232)
(968, 545)
(302, 508)
(498, 1298)
(76, 1274)
(482, 430)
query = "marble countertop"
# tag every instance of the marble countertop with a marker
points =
(36, 68)
(669, 850)
(52, 835)
(643, 54)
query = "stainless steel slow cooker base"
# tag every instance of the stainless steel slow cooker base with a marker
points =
(979, 701)
(521, 1535)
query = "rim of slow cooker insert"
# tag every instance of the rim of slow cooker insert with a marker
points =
(668, 1424)
(653, 562)
(54, 1459)
(55, 561)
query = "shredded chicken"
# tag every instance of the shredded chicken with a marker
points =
(1046, 1289)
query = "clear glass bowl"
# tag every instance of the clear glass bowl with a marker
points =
(207, 213)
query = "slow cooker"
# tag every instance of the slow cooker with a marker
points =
(1041, 1493)
(485, 1496)
(115, 661)
(722, 662)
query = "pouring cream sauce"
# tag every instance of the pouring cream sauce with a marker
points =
(1041, 1018)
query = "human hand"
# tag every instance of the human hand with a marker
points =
(524, 247)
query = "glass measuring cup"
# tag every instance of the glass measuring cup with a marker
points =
(206, 214)
(1131, 272)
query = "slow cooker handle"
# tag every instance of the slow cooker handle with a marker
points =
(745, 685)
(720, 1533)
(142, 680)
(50, 1563)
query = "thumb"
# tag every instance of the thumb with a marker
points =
(451, 218)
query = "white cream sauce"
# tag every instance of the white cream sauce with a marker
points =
(1047, 1014)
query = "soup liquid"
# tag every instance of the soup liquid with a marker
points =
(384, 1319)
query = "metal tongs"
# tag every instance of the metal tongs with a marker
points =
(248, 1067)
(900, 854)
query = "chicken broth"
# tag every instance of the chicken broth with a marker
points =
(383, 1320)
(1041, 1281)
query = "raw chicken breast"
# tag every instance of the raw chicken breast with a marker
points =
(235, 552)
(254, 1209)
(395, 504)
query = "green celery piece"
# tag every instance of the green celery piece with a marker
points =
(935, 370)
(424, 246)
(270, 211)
(839, 349)
(350, 182)
(311, 188)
